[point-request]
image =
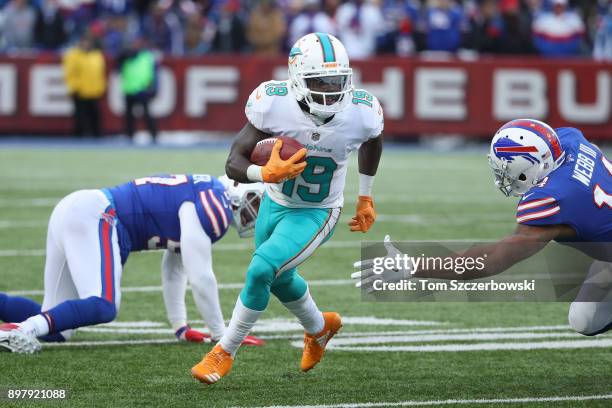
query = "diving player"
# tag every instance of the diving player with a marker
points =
(566, 187)
(92, 232)
(319, 108)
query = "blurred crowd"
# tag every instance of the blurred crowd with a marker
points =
(269, 27)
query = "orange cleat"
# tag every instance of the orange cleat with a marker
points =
(213, 366)
(314, 345)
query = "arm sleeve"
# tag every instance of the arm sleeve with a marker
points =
(196, 254)
(539, 208)
(174, 286)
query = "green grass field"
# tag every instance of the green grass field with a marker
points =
(419, 196)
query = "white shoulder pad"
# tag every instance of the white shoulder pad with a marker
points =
(259, 109)
(371, 113)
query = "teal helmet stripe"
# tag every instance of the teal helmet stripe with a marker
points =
(329, 55)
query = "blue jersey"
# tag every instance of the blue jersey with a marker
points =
(578, 193)
(148, 209)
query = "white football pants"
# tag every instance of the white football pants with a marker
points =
(83, 257)
(591, 318)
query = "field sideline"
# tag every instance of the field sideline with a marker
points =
(403, 354)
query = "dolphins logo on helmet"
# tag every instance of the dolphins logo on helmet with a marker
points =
(320, 74)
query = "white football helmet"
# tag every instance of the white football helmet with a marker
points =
(523, 152)
(320, 75)
(245, 200)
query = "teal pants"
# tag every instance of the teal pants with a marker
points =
(284, 238)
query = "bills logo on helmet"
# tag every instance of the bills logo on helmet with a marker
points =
(506, 148)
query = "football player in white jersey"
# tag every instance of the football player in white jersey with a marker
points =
(318, 107)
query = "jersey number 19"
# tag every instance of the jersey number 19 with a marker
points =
(319, 172)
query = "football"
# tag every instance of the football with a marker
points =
(263, 149)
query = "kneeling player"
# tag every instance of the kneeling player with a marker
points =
(92, 232)
(566, 187)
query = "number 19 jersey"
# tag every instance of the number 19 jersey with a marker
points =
(272, 108)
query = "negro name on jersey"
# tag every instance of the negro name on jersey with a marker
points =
(148, 209)
(578, 193)
(272, 108)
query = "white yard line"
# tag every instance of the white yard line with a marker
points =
(21, 252)
(28, 202)
(249, 246)
(590, 343)
(110, 343)
(9, 224)
(417, 403)
(273, 325)
(128, 289)
(357, 335)
(380, 198)
(381, 338)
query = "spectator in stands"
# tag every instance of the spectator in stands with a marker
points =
(359, 23)
(138, 71)
(603, 38)
(516, 35)
(116, 7)
(230, 35)
(49, 30)
(558, 32)
(78, 16)
(400, 17)
(266, 28)
(443, 26)
(486, 28)
(19, 19)
(195, 46)
(163, 29)
(115, 28)
(85, 77)
(311, 19)
(331, 6)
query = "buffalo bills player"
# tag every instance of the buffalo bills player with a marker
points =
(92, 232)
(565, 185)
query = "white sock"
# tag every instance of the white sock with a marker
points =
(243, 320)
(307, 312)
(178, 324)
(35, 326)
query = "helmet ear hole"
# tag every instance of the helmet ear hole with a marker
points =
(522, 177)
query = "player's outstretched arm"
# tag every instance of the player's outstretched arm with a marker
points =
(174, 285)
(238, 160)
(369, 157)
(196, 254)
(523, 243)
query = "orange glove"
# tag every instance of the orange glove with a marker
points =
(364, 216)
(278, 170)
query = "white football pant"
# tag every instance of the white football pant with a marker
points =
(83, 257)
